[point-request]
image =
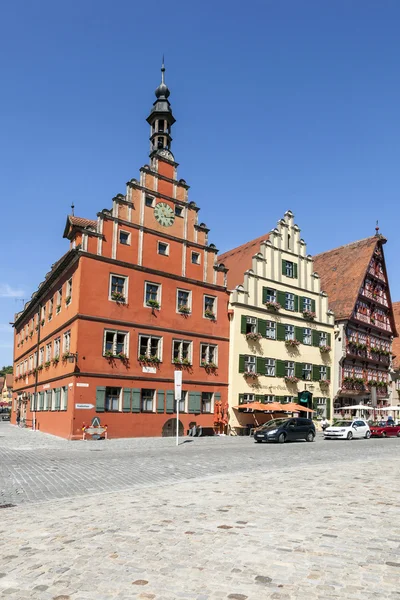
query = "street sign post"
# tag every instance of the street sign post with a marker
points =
(178, 396)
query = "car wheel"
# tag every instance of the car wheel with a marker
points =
(367, 435)
(281, 438)
(398, 434)
(383, 434)
(310, 436)
(349, 436)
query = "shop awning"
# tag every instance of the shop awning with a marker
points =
(293, 407)
(260, 406)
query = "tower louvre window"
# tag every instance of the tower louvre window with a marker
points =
(161, 125)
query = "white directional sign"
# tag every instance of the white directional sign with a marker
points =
(84, 406)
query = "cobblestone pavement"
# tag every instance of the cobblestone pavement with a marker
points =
(211, 519)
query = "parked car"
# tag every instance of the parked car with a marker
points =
(385, 430)
(285, 430)
(347, 430)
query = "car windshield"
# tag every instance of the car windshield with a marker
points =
(273, 424)
(343, 424)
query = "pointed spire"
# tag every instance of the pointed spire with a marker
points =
(162, 70)
(72, 208)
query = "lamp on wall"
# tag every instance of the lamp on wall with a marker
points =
(72, 357)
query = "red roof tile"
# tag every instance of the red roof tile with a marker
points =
(238, 260)
(342, 271)
(396, 341)
(81, 222)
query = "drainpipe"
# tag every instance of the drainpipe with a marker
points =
(37, 364)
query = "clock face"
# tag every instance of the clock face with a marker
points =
(164, 214)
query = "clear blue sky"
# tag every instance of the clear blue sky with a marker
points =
(291, 104)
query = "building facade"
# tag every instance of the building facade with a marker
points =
(356, 280)
(281, 328)
(138, 295)
(395, 373)
(6, 390)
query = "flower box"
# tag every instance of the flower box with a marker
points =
(208, 365)
(184, 310)
(67, 300)
(325, 382)
(50, 316)
(56, 360)
(109, 354)
(254, 337)
(149, 359)
(42, 322)
(273, 305)
(40, 368)
(47, 363)
(36, 327)
(118, 297)
(66, 355)
(325, 349)
(31, 334)
(250, 375)
(291, 379)
(122, 356)
(153, 304)
(292, 343)
(308, 314)
(209, 314)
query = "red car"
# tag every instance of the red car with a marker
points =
(385, 430)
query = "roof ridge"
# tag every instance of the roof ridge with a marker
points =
(260, 238)
(371, 237)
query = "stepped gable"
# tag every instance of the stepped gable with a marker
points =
(342, 272)
(238, 260)
(396, 340)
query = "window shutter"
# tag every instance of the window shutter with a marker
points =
(217, 397)
(281, 399)
(100, 399)
(280, 332)
(328, 408)
(262, 327)
(296, 303)
(280, 368)
(328, 373)
(264, 295)
(315, 338)
(315, 373)
(295, 270)
(283, 267)
(194, 402)
(299, 334)
(313, 305)
(136, 400)
(328, 338)
(243, 324)
(66, 398)
(301, 303)
(170, 401)
(241, 363)
(260, 365)
(259, 398)
(58, 399)
(41, 400)
(315, 404)
(126, 400)
(240, 398)
(160, 401)
(33, 403)
(298, 370)
(281, 298)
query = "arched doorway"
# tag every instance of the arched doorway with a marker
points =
(169, 428)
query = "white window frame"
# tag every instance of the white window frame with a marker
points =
(289, 301)
(307, 337)
(288, 399)
(249, 364)
(306, 372)
(248, 398)
(64, 398)
(270, 328)
(152, 401)
(207, 353)
(271, 297)
(211, 401)
(189, 304)
(180, 349)
(269, 398)
(148, 198)
(323, 338)
(66, 341)
(289, 269)
(114, 387)
(198, 262)
(115, 333)
(166, 253)
(270, 366)
(26, 365)
(148, 350)
(34, 360)
(323, 372)
(127, 233)
(31, 362)
(215, 305)
(59, 301)
(57, 348)
(48, 352)
(68, 291)
(183, 402)
(289, 335)
(53, 399)
(41, 355)
(51, 308)
(307, 304)
(159, 289)
(252, 322)
(289, 368)
(125, 288)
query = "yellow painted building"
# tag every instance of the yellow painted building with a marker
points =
(281, 329)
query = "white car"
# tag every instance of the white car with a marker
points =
(347, 430)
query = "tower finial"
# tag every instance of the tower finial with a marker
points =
(72, 208)
(162, 70)
(377, 228)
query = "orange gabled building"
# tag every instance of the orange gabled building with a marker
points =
(138, 295)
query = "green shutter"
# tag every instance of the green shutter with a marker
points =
(160, 401)
(328, 339)
(281, 399)
(135, 400)
(298, 370)
(259, 398)
(170, 401)
(243, 324)
(194, 402)
(100, 399)
(260, 365)
(264, 295)
(58, 398)
(281, 298)
(41, 400)
(301, 303)
(280, 368)
(296, 303)
(328, 408)
(280, 332)
(241, 398)
(66, 398)
(328, 373)
(299, 334)
(241, 363)
(315, 404)
(262, 327)
(315, 338)
(217, 397)
(33, 403)
(313, 305)
(283, 267)
(315, 373)
(126, 400)
(295, 270)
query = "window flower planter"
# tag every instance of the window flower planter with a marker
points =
(184, 310)
(118, 297)
(47, 364)
(122, 356)
(40, 368)
(291, 380)
(50, 316)
(325, 382)
(253, 337)
(67, 300)
(56, 360)
(36, 327)
(250, 375)
(66, 355)
(325, 349)
(292, 343)
(153, 304)
(308, 314)
(273, 306)
(182, 363)
(153, 360)
(42, 322)
(209, 314)
(208, 365)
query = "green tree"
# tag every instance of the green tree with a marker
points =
(6, 370)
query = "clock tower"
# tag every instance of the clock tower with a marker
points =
(161, 119)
